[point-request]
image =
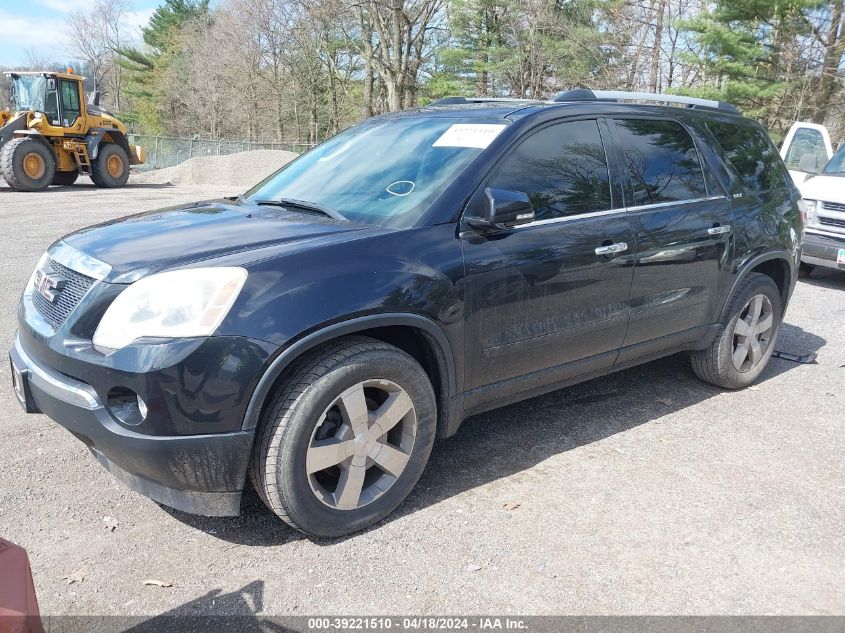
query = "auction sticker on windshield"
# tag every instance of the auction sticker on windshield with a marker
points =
(841, 258)
(478, 135)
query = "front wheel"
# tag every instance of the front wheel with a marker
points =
(111, 167)
(746, 341)
(346, 439)
(27, 164)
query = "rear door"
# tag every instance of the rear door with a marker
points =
(805, 150)
(548, 300)
(683, 224)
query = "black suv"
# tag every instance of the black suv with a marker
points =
(317, 332)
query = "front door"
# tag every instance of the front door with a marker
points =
(548, 300)
(684, 226)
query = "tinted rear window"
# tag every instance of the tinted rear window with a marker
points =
(752, 154)
(662, 161)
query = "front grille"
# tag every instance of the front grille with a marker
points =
(833, 206)
(832, 222)
(76, 285)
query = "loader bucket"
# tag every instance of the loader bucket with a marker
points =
(137, 154)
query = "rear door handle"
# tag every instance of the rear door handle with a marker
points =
(611, 249)
(719, 230)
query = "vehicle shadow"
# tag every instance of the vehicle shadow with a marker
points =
(826, 278)
(213, 611)
(506, 441)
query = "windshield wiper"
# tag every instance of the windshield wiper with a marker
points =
(312, 207)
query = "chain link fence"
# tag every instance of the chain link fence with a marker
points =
(168, 151)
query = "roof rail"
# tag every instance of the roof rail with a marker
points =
(463, 100)
(581, 94)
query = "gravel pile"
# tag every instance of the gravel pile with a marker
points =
(243, 169)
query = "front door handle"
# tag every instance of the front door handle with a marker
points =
(611, 249)
(719, 229)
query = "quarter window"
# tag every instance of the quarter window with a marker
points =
(662, 161)
(752, 154)
(562, 168)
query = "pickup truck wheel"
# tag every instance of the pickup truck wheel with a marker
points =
(747, 339)
(805, 270)
(347, 436)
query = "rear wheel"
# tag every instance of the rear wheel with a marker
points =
(346, 438)
(747, 339)
(111, 167)
(65, 178)
(27, 164)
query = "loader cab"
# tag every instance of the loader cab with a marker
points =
(57, 95)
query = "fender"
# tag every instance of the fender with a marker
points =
(96, 136)
(450, 410)
(92, 141)
(753, 263)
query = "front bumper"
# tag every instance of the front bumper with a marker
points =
(201, 474)
(822, 250)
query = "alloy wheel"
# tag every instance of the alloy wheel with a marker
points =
(361, 444)
(753, 333)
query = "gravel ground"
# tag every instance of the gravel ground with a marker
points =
(642, 492)
(241, 169)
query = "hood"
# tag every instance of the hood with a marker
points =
(829, 188)
(242, 232)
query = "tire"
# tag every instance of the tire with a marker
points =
(310, 410)
(805, 270)
(111, 167)
(65, 178)
(717, 364)
(27, 164)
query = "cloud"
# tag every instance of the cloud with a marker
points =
(134, 21)
(46, 36)
(60, 6)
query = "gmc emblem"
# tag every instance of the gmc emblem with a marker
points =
(48, 285)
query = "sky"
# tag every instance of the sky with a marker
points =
(40, 25)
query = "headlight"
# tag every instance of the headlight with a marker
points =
(810, 208)
(39, 266)
(176, 304)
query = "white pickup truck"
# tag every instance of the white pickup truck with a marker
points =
(820, 175)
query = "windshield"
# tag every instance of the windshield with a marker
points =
(383, 171)
(836, 165)
(29, 92)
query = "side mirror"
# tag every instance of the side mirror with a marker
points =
(504, 209)
(94, 98)
(808, 163)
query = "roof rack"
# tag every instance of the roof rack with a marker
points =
(581, 94)
(464, 100)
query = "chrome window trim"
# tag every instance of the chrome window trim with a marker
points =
(60, 387)
(595, 214)
(570, 218)
(660, 205)
(76, 260)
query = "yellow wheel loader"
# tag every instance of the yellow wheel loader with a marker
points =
(52, 135)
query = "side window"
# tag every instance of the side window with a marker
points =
(562, 168)
(752, 154)
(806, 141)
(662, 161)
(70, 102)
